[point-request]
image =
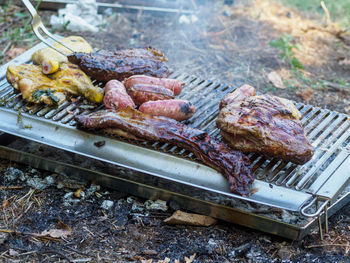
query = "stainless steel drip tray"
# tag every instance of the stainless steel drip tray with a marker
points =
(275, 221)
(146, 161)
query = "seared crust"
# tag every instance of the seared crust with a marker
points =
(266, 124)
(107, 65)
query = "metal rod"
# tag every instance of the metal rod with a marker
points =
(326, 219)
(319, 221)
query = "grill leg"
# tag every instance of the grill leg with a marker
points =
(319, 221)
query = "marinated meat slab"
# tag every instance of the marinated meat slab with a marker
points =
(131, 123)
(52, 89)
(107, 65)
(265, 124)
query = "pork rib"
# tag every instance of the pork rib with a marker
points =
(233, 164)
(107, 65)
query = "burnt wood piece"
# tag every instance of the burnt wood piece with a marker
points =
(214, 153)
(265, 124)
(107, 65)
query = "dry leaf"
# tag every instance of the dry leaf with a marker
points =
(63, 232)
(63, 225)
(55, 233)
(146, 260)
(5, 204)
(14, 52)
(306, 94)
(177, 261)
(190, 260)
(276, 80)
(77, 193)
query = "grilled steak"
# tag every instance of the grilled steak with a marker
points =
(266, 124)
(107, 65)
(233, 164)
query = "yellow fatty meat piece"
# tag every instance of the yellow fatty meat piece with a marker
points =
(68, 80)
(76, 43)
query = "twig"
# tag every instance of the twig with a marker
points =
(335, 86)
(6, 47)
(11, 187)
(34, 235)
(58, 253)
(328, 245)
(77, 251)
(325, 9)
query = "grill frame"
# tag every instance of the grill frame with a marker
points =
(325, 187)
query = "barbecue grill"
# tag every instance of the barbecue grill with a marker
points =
(287, 200)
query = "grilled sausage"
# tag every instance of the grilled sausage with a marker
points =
(141, 93)
(116, 96)
(176, 109)
(172, 84)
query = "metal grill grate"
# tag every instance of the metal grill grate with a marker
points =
(327, 130)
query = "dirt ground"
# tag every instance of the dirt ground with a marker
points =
(229, 43)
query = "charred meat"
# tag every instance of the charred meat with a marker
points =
(135, 124)
(265, 124)
(107, 65)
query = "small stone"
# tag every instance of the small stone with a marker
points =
(107, 204)
(130, 200)
(240, 251)
(284, 253)
(211, 246)
(137, 207)
(13, 253)
(68, 195)
(12, 174)
(59, 185)
(156, 205)
(37, 183)
(92, 189)
(253, 253)
(49, 180)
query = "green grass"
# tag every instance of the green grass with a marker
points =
(21, 32)
(339, 9)
(284, 44)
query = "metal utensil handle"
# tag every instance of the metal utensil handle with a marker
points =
(37, 25)
(30, 8)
